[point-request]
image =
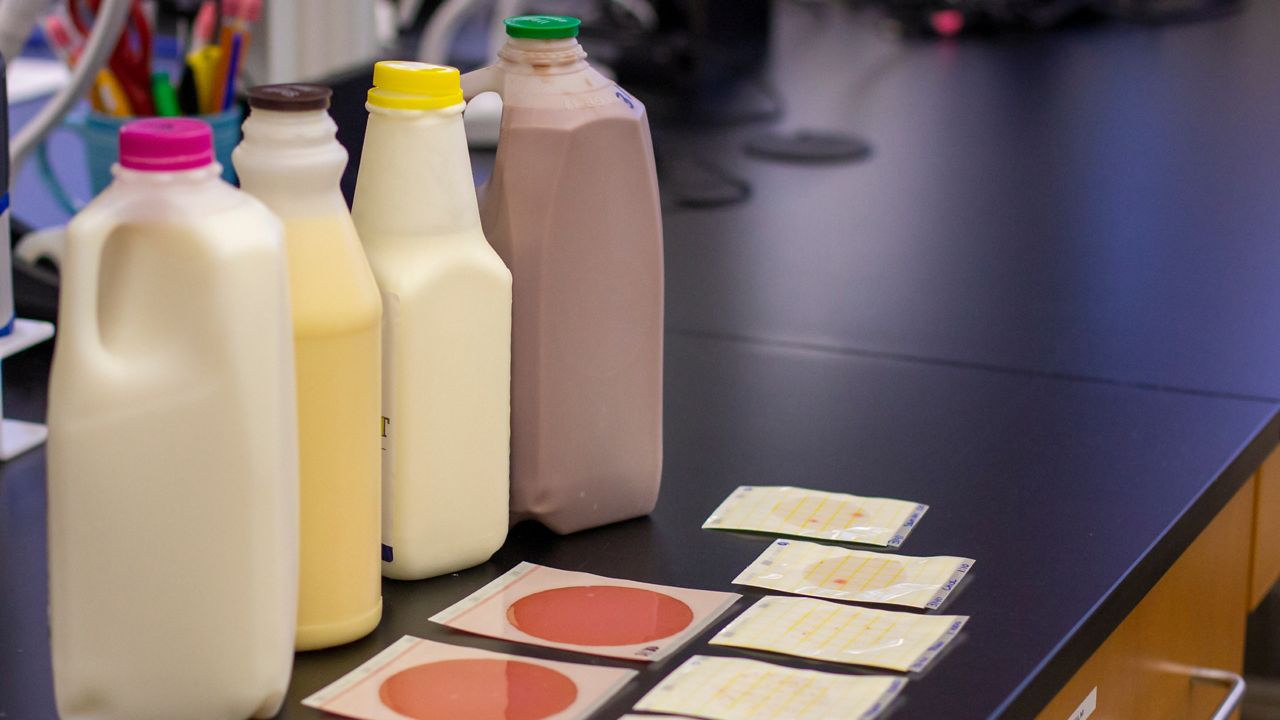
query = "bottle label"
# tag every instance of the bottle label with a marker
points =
(390, 320)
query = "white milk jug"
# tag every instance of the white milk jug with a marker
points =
(446, 328)
(173, 468)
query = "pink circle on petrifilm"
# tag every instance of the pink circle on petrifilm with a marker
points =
(838, 574)
(819, 516)
(478, 690)
(599, 615)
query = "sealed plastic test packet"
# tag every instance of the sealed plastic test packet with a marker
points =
(781, 510)
(538, 605)
(846, 634)
(724, 688)
(424, 680)
(805, 568)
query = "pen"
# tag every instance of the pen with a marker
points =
(225, 35)
(250, 12)
(229, 91)
(234, 41)
(165, 98)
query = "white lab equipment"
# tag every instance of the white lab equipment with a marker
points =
(301, 40)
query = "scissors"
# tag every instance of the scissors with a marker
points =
(130, 62)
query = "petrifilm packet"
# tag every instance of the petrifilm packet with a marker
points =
(424, 680)
(723, 688)
(587, 613)
(805, 568)
(847, 634)
(817, 514)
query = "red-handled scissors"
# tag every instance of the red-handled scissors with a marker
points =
(130, 62)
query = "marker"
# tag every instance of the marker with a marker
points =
(226, 37)
(165, 98)
(204, 65)
(233, 66)
(110, 95)
(188, 93)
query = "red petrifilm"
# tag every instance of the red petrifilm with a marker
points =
(414, 679)
(586, 613)
(479, 689)
(600, 615)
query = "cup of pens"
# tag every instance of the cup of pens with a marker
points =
(129, 86)
(100, 132)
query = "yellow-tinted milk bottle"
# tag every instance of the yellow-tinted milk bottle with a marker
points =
(446, 299)
(291, 162)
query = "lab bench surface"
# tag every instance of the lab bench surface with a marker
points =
(1073, 497)
(1100, 202)
(1044, 307)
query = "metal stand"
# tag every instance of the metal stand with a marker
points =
(19, 436)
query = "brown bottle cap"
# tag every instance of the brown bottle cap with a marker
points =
(289, 97)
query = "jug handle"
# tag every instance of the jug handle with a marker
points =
(78, 306)
(486, 79)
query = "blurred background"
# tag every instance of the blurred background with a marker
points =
(810, 151)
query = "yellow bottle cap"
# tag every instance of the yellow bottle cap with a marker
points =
(404, 85)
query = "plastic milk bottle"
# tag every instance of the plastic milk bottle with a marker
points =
(446, 328)
(173, 461)
(573, 210)
(291, 161)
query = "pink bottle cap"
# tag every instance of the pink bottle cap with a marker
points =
(166, 144)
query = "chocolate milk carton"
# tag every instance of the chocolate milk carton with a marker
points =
(572, 209)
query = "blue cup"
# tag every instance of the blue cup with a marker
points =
(100, 135)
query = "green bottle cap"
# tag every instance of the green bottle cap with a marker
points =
(542, 27)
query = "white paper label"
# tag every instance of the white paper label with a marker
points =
(1085, 711)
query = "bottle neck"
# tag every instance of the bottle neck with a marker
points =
(292, 162)
(184, 178)
(562, 55)
(415, 176)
